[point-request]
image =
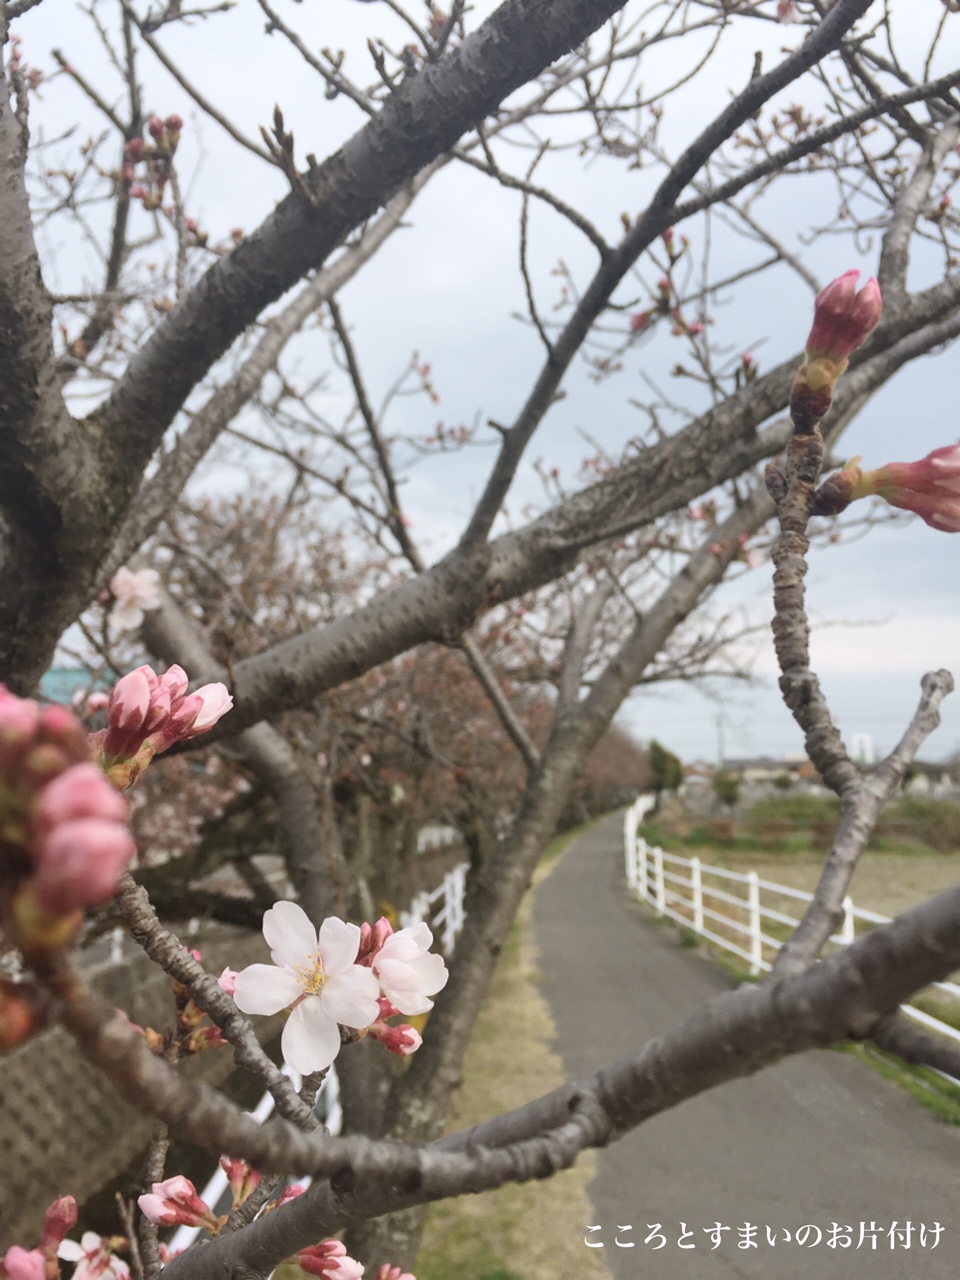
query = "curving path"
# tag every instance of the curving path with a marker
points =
(817, 1140)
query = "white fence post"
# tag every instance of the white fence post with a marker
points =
(660, 887)
(753, 902)
(848, 930)
(696, 885)
(630, 848)
(643, 869)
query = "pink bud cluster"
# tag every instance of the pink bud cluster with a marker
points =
(62, 823)
(147, 714)
(157, 158)
(242, 1179)
(174, 1202)
(843, 319)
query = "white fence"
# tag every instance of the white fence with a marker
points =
(443, 911)
(689, 891)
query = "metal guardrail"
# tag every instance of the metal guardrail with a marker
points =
(657, 878)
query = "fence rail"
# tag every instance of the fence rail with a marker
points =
(662, 880)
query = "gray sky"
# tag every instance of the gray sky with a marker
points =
(448, 287)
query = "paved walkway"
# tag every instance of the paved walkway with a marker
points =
(819, 1139)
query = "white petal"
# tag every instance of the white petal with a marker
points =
(339, 944)
(431, 972)
(263, 989)
(351, 997)
(69, 1250)
(310, 1040)
(291, 937)
(126, 615)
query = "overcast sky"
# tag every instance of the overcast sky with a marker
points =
(447, 286)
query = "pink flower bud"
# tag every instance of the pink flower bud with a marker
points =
(640, 322)
(175, 1201)
(195, 715)
(929, 487)
(228, 981)
(18, 1264)
(58, 1222)
(173, 124)
(843, 319)
(80, 863)
(402, 1040)
(329, 1260)
(242, 1179)
(155, 125)
(129, 701)
(290, 1193)
(176, 682)
(372, 938)
(387, 1272)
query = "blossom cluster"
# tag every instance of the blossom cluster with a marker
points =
(64, 829)
(147, 714)
(95, 1256)
(63, 826)
(341, 975)
(175, 1202)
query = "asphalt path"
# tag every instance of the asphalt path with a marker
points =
(816, 1144)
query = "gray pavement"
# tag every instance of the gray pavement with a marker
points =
(817, 1140)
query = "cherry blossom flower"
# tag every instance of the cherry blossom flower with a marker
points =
(135, 593)
(316, 975)
(787, 11)
(406, 970)
(94, 1258)
(387, 1272)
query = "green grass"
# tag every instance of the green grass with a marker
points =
(926, 1086)
(929, 1088)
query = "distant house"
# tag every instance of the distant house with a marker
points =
(766, 768)
(939, 780)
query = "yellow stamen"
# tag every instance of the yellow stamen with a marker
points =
(312, 976)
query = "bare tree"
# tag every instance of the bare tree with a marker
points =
(601, 586)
